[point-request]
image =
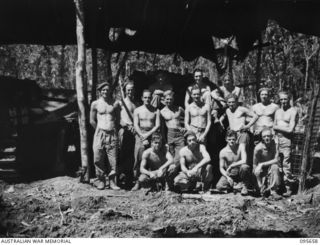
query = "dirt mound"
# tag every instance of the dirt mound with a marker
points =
(63, 207)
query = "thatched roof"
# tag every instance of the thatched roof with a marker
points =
(185, 27)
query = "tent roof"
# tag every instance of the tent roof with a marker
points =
(185, 27)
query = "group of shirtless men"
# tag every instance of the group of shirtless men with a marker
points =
(179, 161)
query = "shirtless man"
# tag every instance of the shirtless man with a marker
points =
(285, 122)
(237, 119)
(197, 116)
(155, 162)
(195, 166)
(204, 89)
(146, 122)
(233, 165)
(172, 116)
(105, 143)
(158, 88)
(266, 164)
(228, 88)
(127, 133)
(265, 111)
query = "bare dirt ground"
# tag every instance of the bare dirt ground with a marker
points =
(63, 207)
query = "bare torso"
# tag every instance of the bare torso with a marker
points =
(284, 117)
(172, 116)
(265, 114)
(191, 157)
(105, 114)
(265, 154)
(198, 115)
(237, 118)
(230, 156)
(156, 159)
(147, 117)
(124, 117)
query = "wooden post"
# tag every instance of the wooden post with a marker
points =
(258, 70)
(306, 148)
(81, 87)
(94, 74)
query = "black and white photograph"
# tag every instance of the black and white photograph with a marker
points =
(159, 119)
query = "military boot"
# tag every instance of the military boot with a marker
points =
(113, 185)
(100, 183)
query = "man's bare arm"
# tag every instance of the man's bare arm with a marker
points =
(222, 164)
(143, 165)
(136, 122)
(208, 122)
(243, 157)
(206, 158)
(93, 115)
(256, 158)
(292, 124)
(183, 162)
(156, 126)
(187, 118)
(254, 118)
(186, 99)
(168, 162)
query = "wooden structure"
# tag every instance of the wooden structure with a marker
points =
(34, 135)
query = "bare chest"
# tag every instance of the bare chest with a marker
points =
(284, 116)
(198, 111)
(263, 110)
(105, 108)
(170, 114)
(147, 115)
(130, 106)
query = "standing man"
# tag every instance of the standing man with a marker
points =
(158, 88)
(237, 119)
(265, 111)
(266, 164)
(127, 133)
(146, 122)
(155, 163)
(172, 116)
(194, 162)
(204, 89)
(227, 89)
(233, 165)
(197, 116)
(105, 143)
(285, 122)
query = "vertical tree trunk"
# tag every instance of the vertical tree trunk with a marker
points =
(306, 148)
(94, 74)
(258, 69)
(306, 78)
(81, 87)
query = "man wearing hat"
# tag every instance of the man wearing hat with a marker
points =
(195, 165)
(105, 143)
(265, 111)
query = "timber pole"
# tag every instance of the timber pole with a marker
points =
(306, 148)
(94, 74)
(81, 88)
(258, 68)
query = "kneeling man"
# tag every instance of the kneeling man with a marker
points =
(266, 164)
(233, 165)
(156, 165)
(194, 162)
